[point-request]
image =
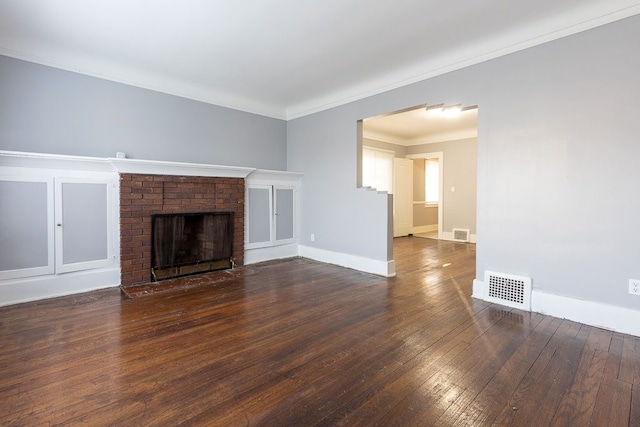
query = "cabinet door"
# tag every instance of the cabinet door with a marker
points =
(259, 217)
(82, 224)
(26, 234)
(284, 214)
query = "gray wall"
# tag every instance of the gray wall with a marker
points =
(460, 159)
(48, 110)
(425, 215)
(343, 218)
(557, 164)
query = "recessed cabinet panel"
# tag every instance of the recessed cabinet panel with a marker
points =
(25, 231)
(84, 222)
(270, 216)
(56, 221)
(284, 213)
(259, 214)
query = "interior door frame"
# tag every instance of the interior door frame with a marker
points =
(440, 156)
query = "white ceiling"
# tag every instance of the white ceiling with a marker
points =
(284, 58)
(416, 126)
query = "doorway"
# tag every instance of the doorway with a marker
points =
(429, 135)
(428, 193)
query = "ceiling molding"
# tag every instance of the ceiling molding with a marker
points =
(498, 45)
(149, 81)
(434, 139)
(508, 44)
(443, 137)
(377, 136)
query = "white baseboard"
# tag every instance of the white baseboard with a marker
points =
(424, 229)
(56, 285)
(368, 265)
(596, 314)
(478, 289)
(448, 235)
(252, 256)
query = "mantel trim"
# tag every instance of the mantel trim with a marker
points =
(156, 167)
(110, 164)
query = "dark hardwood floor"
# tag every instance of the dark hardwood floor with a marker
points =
(300, 343)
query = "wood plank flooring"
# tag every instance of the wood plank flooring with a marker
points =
(300, 343)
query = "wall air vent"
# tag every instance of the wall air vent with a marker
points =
(460, 235)
(507, 289)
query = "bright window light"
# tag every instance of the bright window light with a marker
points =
(432, 181)
(377, 169)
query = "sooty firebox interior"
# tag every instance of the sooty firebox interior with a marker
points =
(191, 243)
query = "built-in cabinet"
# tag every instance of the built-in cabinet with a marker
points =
(271, 215)
(60, 225)
(271, 211)
(54, 224)
(59, 218)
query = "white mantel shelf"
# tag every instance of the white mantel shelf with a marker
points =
(273, 177)
(155, 167)
(20, 159)
(136, 166)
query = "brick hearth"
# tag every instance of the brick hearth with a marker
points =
(144, 195)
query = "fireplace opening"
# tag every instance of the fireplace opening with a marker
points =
(191, 243)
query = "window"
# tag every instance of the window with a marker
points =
(432, 181)
(377, 169)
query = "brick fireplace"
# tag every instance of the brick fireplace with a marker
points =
(144, 195)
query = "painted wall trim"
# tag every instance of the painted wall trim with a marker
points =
(271, 177)
(605, 316)
(368, 265)
(155, 167)
(448, 235)
(41, 287)
(252, 256)
(424, 229)
(504, 45)
(510, 42)
(21, 159)
(152, 167)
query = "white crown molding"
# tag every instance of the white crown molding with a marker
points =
(505, 44)
(382, 138)
(442, 137)
(150, 81)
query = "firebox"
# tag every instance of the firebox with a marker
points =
(189, 243)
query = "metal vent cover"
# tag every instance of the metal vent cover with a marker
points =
(461, 234)
(507, 289)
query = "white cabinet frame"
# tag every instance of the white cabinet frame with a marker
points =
(258, 216)
(60, 225)
(53, 236)
(49, 267)
(284, 212)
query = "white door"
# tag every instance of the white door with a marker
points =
(402, 197)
